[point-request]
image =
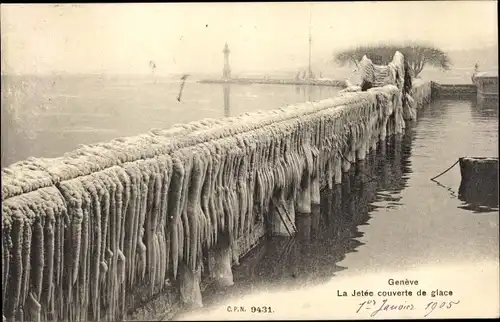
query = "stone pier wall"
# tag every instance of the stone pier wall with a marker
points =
(461, 91)
(110, 226)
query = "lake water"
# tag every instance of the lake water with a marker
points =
(47, 116)
(386, 220)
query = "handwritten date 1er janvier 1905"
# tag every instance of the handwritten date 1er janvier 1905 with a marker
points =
(376, 307)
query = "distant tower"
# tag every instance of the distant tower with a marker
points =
(226, 72)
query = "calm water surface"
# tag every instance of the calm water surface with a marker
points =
(47, 116)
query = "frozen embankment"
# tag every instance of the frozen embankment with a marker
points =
(108, 226)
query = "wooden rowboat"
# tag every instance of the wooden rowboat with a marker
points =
(479, 183)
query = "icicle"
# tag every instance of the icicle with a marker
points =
(26, 256)
(15, 280)
(130, 223)
(47, 284)
(203, 218)
(205, 196)
(165, 222)
(7, 249)
(39, 260)
(95, 190)
(174, 209)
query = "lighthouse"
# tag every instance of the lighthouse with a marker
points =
(226, 72)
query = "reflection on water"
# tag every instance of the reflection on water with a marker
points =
(326, 236)
(310, 92)
(227, 93)
(485, 109)
(480, 203)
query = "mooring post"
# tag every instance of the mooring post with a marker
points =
(190, 286)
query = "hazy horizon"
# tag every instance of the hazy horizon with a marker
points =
(121, 39)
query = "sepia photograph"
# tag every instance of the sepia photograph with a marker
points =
(249, 161)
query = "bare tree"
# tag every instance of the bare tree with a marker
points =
(417, 55)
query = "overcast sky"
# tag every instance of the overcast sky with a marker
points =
(123, 38)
